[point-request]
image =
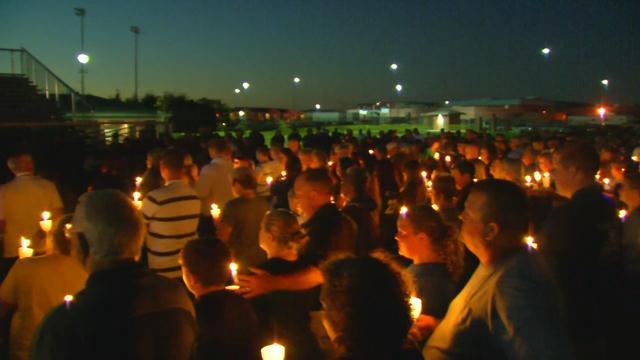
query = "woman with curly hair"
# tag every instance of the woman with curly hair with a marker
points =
(437, 259)
(367, 312)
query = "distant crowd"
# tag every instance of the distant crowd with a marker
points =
(335, 245)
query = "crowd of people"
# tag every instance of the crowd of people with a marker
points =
(519, 247)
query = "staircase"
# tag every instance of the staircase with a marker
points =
(30, 92)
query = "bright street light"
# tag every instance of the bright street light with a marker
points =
(602, 111)
(446, 102)
(245, 85)
(605, 82)
(546, 51)
(237, 91)
(83, 58)
(241, 113)
(317, 106)
(296, 79)
(398, 87)
(393, 66)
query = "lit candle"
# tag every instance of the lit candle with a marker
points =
(370, 151)
(333, 200)
(67, 300)
(635, 158)
(24, 250)
(330, 163)
(283, 174)
(435, 207)
(67, 230)
(436, 156)
(537, 176)
(416, 307)
(274, 351)
(531, 242)
(527, 180)
(234, 272)
(136, 200)
(215, 211)
(546, 180)
(429, 185)
(424, 175)
(269, 180)
(598, 176)
(232, 287)
(403, 211)
(138, 181)
(622, 214)
(447, 159)
(46, 222)
(607, 184)
(475, 180)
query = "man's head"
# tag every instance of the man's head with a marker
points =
(262, 154)
(463, 173)
(312, 190)
(576, 165)
(20, 162)
(205, 264)
(171, 164)
(243, 181)
(218, 148)
(495, 219)
(109, 227)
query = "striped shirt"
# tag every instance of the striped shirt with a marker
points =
(172, 213)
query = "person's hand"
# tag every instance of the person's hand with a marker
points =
(422, 328)
(258, 283)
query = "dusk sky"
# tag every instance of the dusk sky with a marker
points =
(341, 49)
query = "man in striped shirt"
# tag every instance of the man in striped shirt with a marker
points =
(171, 213)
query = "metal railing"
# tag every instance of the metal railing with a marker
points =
(21, 62)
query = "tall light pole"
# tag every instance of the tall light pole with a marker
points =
(136, 31)
(296, 83)
(81, 12)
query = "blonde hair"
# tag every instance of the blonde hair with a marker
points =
(283, 226)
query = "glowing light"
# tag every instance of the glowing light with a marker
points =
(531, 242)
(622, 214)
(435, 207)
(215, 211)
(269, 180)
(241, 113)
(283, 174)
(398, 87)
(436, 156)
(67, 300)
(237, 91)
(635, 158)
(370, 151)
(296, 80)
(604, 82)
(330, 163)
(446, 102)
(527, 179)
(416, 307)
(317, 106)
(138, 180)
(24, 250)
(424, 174)
(46, 223)
(234, 272)
(447, 158)
(83, 58)
(393, 66)
(546, 51)
(403, 211)
(245, 85)
(274, 351)
(602, 111)
(537, 176)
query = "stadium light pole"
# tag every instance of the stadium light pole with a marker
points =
(136, 31)
(81, 12)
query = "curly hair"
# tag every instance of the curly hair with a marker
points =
(283, 226)
(424, 219)
(366, 302)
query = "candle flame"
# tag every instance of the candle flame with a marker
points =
(269, 180)
(416, 307)
(138, 180)
(274, 351)
(136, 196)
(531, 242)
(622, 214)
(370, 151)
(447, 158)
(436, 156)
(24, 242)
(435, 207)
(283, 173)
(606, 181)
(68, 298)
(234, 269)
(404, 210)
(423, 174)
(527, 178)
(215, 210)
(537, 175)
(330, 163)
(546, 174)
(46, 215)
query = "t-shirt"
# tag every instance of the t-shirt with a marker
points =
(172, 213)
(214, 184)
(244, 216)
(434, 286)
(508, 310)
(22, 202)
(330, 232)
(227, 327)
(35, 285)
(284, 315)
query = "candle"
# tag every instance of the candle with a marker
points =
(333, 200)
(46, 222)
(447, 159)
(136, 200)
(232, 287)
(436, 156)
(234, 272)
(622, 214)
(138, 181)
(370, 151)
(531, 242)
(546, 180)
(274, 351)
(215, 211)
(606, 183)
(435, 207)
(67, 300)
(67, 230)
(429, 185)
(475, 180)
(527, 180)
(330, 163)
(416, 307)
(24, 250)
(537, 176)
(424, 175)
(635, 158)
(269, 180)
(403, 211)
(598, 176)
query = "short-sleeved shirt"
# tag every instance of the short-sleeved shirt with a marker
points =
(35, 285)
(214, 184)
(22, 202)
(244, 216)
(172, 213)
(434, 286)
(508, 310)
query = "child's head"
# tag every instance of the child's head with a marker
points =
(205, 264)
(280, 232)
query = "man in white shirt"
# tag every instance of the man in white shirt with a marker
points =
(171, 213)
(22, 201)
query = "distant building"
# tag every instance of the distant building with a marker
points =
(388, 111)
(322, 116)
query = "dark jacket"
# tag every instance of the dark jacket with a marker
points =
(361, 211)
(126, 312)
(330, 233)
